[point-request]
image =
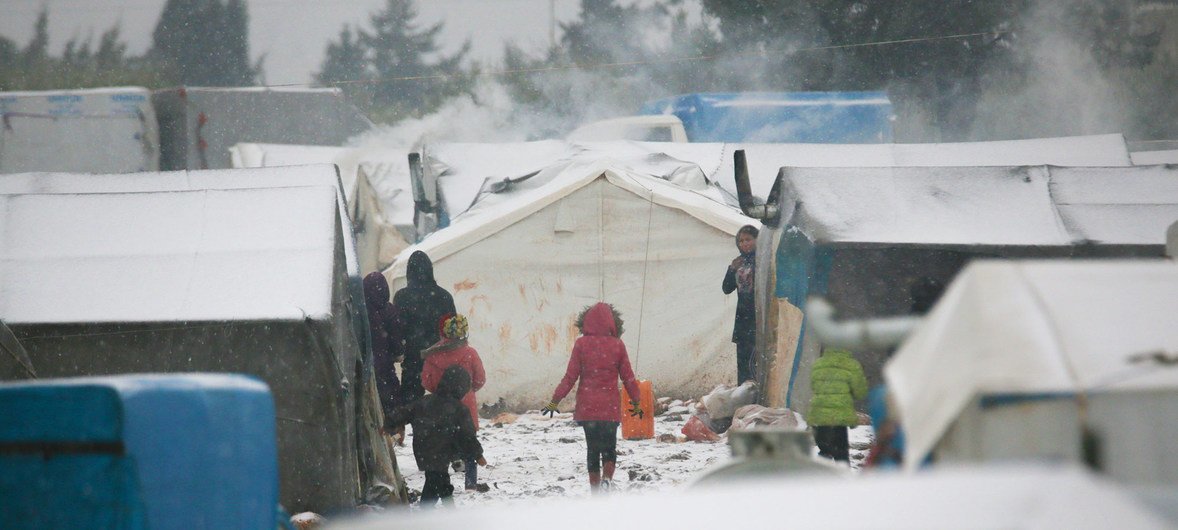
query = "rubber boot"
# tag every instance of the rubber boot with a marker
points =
(594, 481)
(607, 475)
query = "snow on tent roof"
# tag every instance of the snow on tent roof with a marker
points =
(168, 256)
(1035, 327)
(496, 213)
(765, 160)
(1145, 158)
(981, 206)
(966, 206)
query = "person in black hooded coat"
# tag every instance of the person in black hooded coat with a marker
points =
(422, 304)
(384, 329)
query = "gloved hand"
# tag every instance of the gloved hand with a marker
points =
(636, 409)
(549, 409)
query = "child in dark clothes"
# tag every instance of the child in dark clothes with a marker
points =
(442, 432)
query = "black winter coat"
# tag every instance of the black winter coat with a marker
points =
(443, 430)
(421, 305)
(741, 280)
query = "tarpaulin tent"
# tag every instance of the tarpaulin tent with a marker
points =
(198, 125)
(863, 236)
(205, 271)
(527, 258)
(382, 215)
(96, 130)
(1020, 358)
(1145, 158)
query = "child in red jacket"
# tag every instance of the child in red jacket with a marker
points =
(453, 350)
(599, 359)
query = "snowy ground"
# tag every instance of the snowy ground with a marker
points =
(536, 457)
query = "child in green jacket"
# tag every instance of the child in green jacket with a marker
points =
(837, 380)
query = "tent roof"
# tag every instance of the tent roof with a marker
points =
(1167, 156)
(496, 212)
(1035, 327)
(246, 254)
(981, 206)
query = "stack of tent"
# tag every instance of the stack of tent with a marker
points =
(863, 236)
(248, 271)
(382, 216)
(1072, 360)
(532, 253)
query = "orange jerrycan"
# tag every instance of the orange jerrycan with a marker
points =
(638, 428)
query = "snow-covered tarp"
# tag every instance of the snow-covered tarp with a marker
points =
(67, 259)
(1036, 327)
(523, 262)
(981, 206)
(376, 185)
(1145, 158)
(96, 130)
(1027, 497)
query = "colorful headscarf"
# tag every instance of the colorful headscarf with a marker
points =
(455, 327)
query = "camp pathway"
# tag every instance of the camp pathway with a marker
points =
(537, 457)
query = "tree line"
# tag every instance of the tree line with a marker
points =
(947, 64)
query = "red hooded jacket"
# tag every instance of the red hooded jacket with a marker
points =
(449, 352)
(599, 359)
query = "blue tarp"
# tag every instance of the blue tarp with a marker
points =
(146, 451)
(781, 117)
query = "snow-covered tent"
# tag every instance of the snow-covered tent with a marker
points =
(526, 259)
(198, 125)
(246, 271)
(96, 130)
(382, 216)
(1047, 360)
(1145, 158)
(863, 236)
(1027, 497)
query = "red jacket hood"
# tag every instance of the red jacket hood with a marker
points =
(599, 321)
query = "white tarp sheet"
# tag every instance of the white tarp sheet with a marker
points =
(1034, 327)
(1145, 158)
(522, 265)
(183, 256)
(98, 130)
(979, 206)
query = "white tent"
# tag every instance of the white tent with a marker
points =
(376, 186)
(863, 236)
(1018, 357)
(523, 263)
(248, 271)
(96, 130)
(1025, 497)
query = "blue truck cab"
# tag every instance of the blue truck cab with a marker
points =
(139, 451)
(781, 117)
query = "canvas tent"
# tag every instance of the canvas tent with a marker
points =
(382, 216)
(1145, 158)
(96, 130)
(524, 261)
(1019, 358)
(198, 125)
(205, 271)
(862, 236)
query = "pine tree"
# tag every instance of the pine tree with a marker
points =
(203, 42)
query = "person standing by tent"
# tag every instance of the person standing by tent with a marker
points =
(442, 432)
(599, 359)
(837, 381)
(740, 278)
(384, 330)
(453, 350)
(422, 304)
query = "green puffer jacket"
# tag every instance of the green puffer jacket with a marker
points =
(837, 381)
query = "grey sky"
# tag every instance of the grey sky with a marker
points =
(293, 34)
